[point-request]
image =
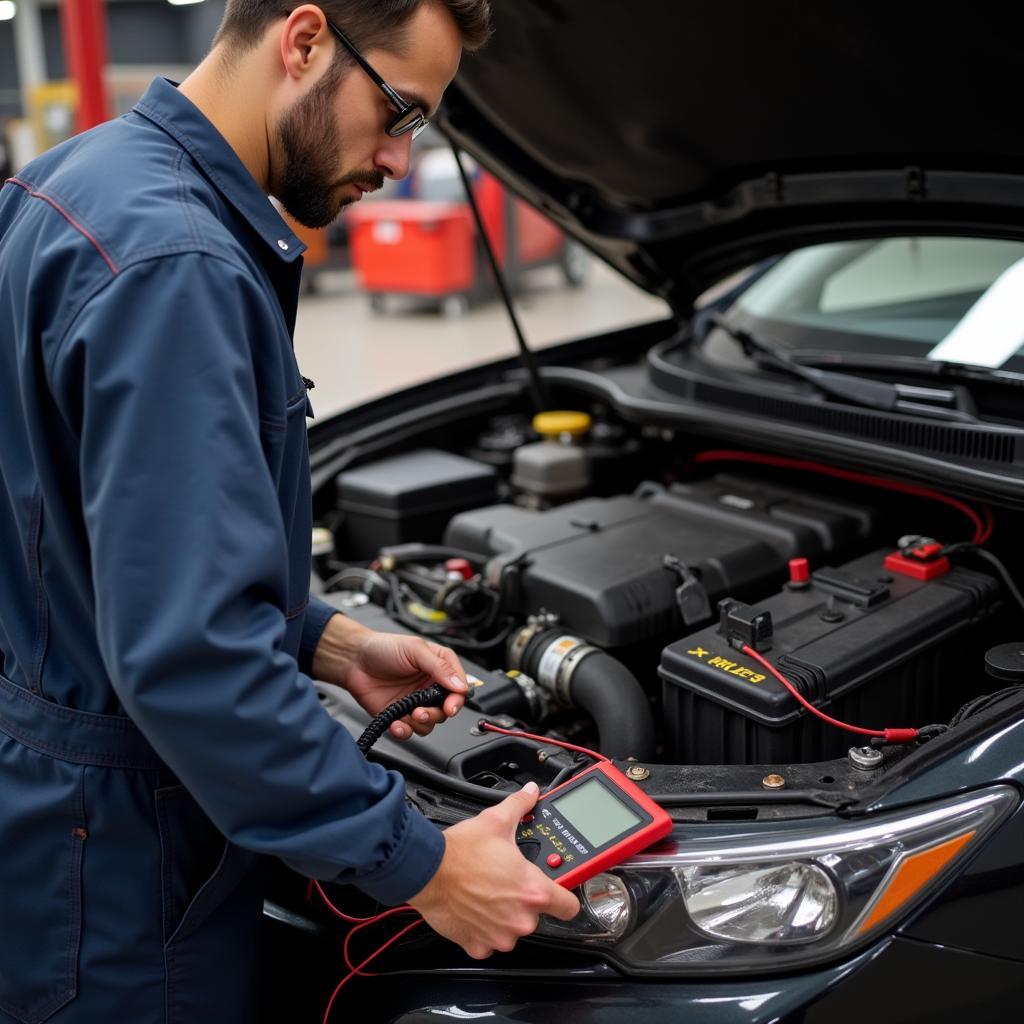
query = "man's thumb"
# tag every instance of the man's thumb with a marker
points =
(515, 805)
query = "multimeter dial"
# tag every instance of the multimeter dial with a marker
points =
(589, 824)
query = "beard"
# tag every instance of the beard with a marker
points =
(311, 143)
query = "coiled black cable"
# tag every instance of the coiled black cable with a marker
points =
(431, 697)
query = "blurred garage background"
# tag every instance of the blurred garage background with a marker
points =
(396, 290)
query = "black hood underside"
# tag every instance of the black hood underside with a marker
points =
(682, 140)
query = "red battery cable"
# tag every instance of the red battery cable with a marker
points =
(889, 735)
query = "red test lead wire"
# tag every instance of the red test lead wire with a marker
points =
(359, 922)
(314, 884)
(889, 735)
(357, 970)
(546, 740)
(352, 932)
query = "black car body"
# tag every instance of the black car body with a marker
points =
(692, 146)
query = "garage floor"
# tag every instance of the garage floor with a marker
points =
(354, 354)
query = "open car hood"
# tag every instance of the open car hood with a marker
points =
(681, 141)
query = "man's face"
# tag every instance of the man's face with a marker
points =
(332, 147)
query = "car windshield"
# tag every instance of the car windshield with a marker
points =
(959, 300)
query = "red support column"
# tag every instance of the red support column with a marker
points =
(85, 49)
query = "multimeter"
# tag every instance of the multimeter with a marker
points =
(589, 824)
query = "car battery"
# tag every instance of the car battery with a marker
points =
(870, 646)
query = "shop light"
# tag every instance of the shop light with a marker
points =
(179, 3)
(7, 10)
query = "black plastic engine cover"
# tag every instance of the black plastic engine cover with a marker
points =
(869, 647)
(599, 563)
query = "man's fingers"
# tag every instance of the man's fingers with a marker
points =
(420, 724)
(562, 903)
(449, 672)
(420, 728)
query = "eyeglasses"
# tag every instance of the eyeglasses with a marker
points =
(410, 116)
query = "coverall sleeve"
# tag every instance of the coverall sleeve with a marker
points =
(190, 562)
(315, 622)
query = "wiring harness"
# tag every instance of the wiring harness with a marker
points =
(417, 587)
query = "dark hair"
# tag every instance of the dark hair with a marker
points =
(367, 23)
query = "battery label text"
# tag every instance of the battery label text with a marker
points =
(725, 665)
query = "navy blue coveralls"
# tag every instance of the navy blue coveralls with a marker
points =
(157, 731)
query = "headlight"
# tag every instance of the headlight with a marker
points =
(608, 903)
(781, 895)
(779, 903)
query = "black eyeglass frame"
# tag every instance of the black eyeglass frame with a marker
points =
(394, 127)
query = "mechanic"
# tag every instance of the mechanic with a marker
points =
(159, 731)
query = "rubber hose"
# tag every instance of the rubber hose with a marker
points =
(611, 695)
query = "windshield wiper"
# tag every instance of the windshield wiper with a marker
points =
(911, 364)
(950, 403)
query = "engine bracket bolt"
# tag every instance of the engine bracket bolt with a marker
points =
(865, 758)
(773, 781)
(638, 772)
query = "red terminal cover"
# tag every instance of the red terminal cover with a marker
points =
(915, 568)
(799, 570)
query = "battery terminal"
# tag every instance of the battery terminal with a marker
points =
(743, 625)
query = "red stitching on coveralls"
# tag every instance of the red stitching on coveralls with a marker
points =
(71, 220)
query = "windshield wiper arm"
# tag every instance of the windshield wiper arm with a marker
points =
(952, 403)
(912, 364)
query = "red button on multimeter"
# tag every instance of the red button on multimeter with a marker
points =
(589, 824)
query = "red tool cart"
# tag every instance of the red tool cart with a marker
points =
(428, 248)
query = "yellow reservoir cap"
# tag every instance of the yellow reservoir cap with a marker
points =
(555, 424)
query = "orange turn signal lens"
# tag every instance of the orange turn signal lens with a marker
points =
(911, 875)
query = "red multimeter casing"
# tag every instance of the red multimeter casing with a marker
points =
(589, 824)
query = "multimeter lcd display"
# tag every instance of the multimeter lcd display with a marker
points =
(596, 814)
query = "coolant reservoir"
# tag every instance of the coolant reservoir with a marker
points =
(555, 467)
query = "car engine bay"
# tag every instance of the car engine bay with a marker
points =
(626, 588)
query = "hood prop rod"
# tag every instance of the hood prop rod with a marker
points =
(538, 392)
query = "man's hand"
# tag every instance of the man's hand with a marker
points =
(486, 895)
(379, 668)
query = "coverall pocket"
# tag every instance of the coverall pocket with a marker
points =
(42, 838)
(199, 867)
